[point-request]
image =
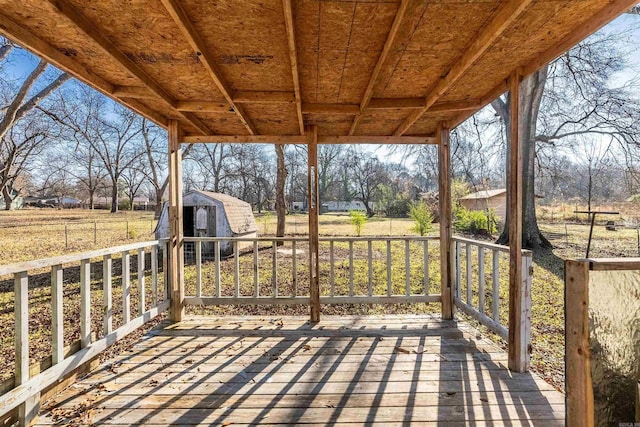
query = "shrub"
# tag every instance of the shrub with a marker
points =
(358, 219)
(399, 208)
(475, 222)
(420, 213)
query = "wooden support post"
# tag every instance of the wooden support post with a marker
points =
(57, 315)
(446, 290)
(176, 234)
(313, 199)
(580, 406)
(518, 340)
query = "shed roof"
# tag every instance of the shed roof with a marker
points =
(368, 68)
(239, 213)
(484, 194)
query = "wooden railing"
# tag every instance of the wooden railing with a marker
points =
(25, 394)
(278, 282)
(481, 297)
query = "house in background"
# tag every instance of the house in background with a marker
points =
(17, 202)
(487, 199)
(208, 214)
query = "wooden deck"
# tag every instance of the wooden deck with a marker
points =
(397, 370)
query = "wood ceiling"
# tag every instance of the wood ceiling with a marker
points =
(365, 70)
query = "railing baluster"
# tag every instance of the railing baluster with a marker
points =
(407, 267)
(236, 269)
(481, 279)
(216, 255)
(142, 301)
(107, 294)
(458, 270)
(496, 286)
(370, 266)
(21, 291)
(425, 266)
(165, 271)
(57, 320)
(468, 256)
(126, 288)
(85, 303)
(388, 267)
(332, 282)
(350, 268)
(198, 268)
(294, 274)
(274, 266)
(154, 274)
(256, 285)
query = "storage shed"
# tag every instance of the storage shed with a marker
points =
(208, 214)
(487, 199)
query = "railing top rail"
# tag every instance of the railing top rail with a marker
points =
(306, 239)
(488, 245)
(65, 259)
(605, 264)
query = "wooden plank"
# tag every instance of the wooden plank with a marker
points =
(382, 59)
(206, 58)
(425, 266)
(126, 287)
(294, 269)
(298, 139)
(331, 109)
(495, 288)
(369, 267)
(107, 294)
(482, 244)
(615, 264)
(350, 269)
(293, 59)
(94, 33)
(256, 271)
(444, 188)
(274, 268)
(389, 284)
(236, 270)
(176, 234)
(154, 274)
(487, 321)
(138, 92)
(332, 282)
(57, 314)
(518, 361)
(468, 253)
(141, 290)
(313, 204)
(580, 404)
(218, 279)
(506, 15)
(262, 97)
(67, 259)
(282, 300)
(204, 107)
(85, 302)
(21, 313)
(458, 258)
(407, 267)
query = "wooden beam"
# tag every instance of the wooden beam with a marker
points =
(518, 356)
(395, 103)
(176, 232)
(91, 30)
(52, 55)
(263, 97)
(133, 92)
(580, 400)
(382, 58)
(206, 58)
(444, 191)
(313, 207)
(293, 59)
(446, 107)
(204, 107)
(593, 24)
(299, 139)
(507, 14)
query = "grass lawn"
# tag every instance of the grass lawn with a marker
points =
(32, 234)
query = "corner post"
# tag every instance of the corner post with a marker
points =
(176, 234)
(518, 336)
(312, 194)
(444, 199)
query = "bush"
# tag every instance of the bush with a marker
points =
(358, 220)
(475, 222)
(399, 208)
(420, 213)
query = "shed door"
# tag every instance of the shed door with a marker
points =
(211, 216)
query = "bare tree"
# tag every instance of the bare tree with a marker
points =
(367, 175)
(281, 179)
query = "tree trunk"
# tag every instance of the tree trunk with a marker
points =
(114, 198)
(281, 179)
(531, 90)
(8, 201)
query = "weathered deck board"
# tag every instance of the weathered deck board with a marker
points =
(343, 371)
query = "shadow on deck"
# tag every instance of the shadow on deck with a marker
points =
(397, 370)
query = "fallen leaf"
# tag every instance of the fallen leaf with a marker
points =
(419, 349)
(307, 347)
(402, 350)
